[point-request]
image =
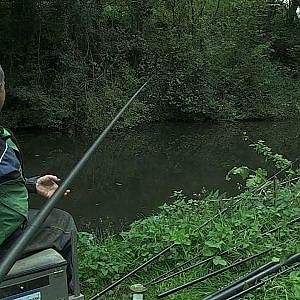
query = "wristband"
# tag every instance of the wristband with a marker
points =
(30, 184)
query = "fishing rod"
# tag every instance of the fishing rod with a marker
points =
(281, 226)
(235, 289)
(258, 285)
(168, 274)
(217, 272)
(214, 273)
(164, 275)
(244, 278)
(32, 229)
(166, 249)
(161, 279)
(132, 272)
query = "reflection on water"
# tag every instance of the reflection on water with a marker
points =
(134, 172)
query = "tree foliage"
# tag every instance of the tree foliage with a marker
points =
(73, 64)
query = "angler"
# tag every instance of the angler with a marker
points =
(43, 275)
(56, 232)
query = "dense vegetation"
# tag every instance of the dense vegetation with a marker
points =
(266, 202)
(72, 64)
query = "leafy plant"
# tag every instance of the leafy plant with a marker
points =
(256, 178)
(103, 259)
(295, 278)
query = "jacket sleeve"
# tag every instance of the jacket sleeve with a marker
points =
(10, 167)
(30, 184)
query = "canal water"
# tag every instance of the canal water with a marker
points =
(135, 171)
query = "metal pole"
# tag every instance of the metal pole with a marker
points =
(169, 276)
(244, 278)
(132, 272)
(188, 284)
(279, 227)
(256, 286)
(238, 288)
(31, 230)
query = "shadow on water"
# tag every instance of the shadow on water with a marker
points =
(134, 172)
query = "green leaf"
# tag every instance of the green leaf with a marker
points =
(104, 271)
(115, 268)
(297, 291)
(91, 280)
(242, 171)
(218, 260)
(295, 276)
(275, 259)
(213, 244)
(207, 252)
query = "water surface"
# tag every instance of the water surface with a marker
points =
(136, 171)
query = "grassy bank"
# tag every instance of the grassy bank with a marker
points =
(264, 204)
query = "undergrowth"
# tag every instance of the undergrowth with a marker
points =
(236, 225)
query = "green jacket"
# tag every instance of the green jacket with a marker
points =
(13, 191)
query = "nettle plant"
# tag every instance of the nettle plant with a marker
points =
(257, 177)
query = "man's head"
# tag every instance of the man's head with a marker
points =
(2, 87)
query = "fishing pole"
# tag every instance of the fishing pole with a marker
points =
(159, 254)
(132, 272)
(32, 229)
(217, 272)
(281, 226)
(161, 279)
(166, 249)
(236, 289)
(166, 275)
(175, 268)
(214, 273)
(244, 278)
(258, 285)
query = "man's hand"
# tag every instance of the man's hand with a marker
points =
(47, 185)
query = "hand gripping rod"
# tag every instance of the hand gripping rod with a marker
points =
(30, 231)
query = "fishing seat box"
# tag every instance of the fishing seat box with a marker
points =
(41, 276)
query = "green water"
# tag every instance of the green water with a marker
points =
(135, 171)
